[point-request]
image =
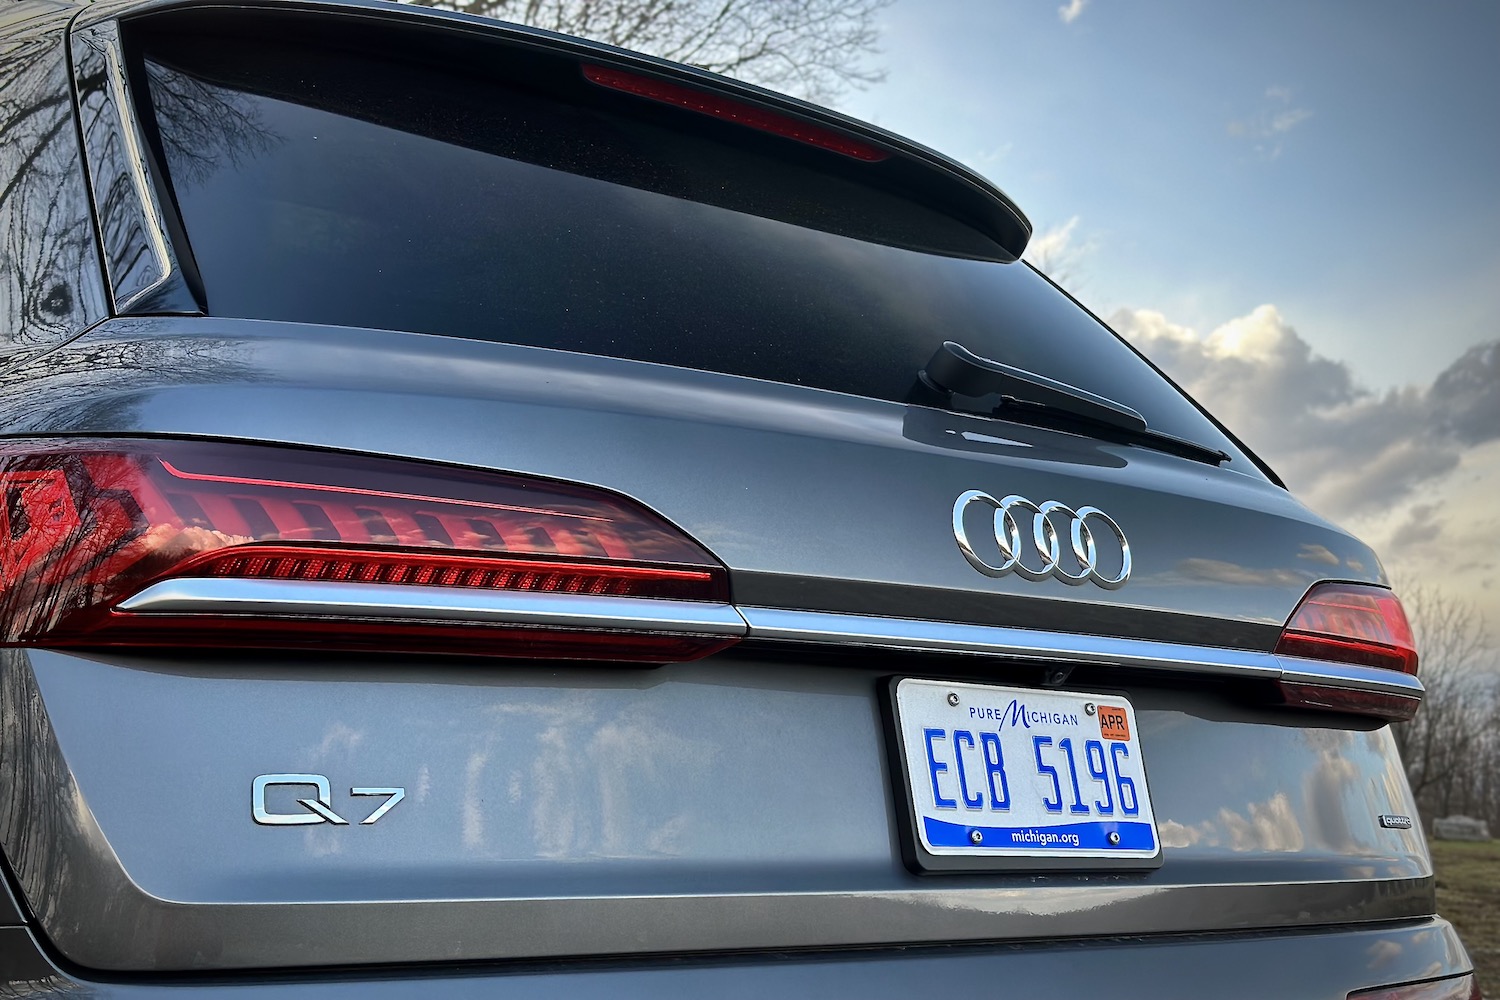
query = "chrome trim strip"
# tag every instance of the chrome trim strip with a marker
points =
(198, 596)
(1350, 676)
(1003, 642)
(822, 627)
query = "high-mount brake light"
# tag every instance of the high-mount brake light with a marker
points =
(1351, 623)
(739, 112)
(90, 530)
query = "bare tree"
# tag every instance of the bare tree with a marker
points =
(811, 48)
(1452, 748)
(46, 242)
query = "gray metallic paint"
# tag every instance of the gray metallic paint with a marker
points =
(778, 481)
(682, 803)
(1314, 966)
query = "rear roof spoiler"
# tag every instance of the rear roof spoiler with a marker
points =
(900, 167)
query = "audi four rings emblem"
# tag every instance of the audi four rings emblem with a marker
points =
(1018, 523)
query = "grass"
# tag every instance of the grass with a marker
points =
(1468, 893)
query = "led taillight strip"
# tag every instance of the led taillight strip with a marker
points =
(425, 569)
(92, 532)
(740, 112)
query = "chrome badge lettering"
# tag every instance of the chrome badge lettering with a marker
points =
(1044, 521)
(317, 808)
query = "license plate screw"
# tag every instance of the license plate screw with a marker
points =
(953, 698)
(1114, 839)
(978, 838)
(1090, 708)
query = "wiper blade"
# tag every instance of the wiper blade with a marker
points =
(955, 368)
(1027, 396)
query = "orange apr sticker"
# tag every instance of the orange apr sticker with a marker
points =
(1114, 724)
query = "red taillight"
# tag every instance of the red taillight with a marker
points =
(423, 569)
(739, 112)
(1456, 988)
(87, 526)
(1351, 623)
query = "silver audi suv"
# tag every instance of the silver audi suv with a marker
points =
(489, 513)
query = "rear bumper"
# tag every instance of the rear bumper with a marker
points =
(618, 813)
(1326, 965)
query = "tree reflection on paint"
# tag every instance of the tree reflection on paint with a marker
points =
(49, 276)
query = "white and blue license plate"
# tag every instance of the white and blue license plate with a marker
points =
(1026, 777)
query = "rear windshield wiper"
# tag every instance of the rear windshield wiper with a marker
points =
(1031, 398)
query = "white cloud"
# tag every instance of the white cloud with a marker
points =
(987, 161)
(1342, 447)
(1056, 252)
(1267, 128)
(1052, 242)
(1444, 535)
(1414, 471)
(1285, 121)
(1260, 336)
(1069, 11)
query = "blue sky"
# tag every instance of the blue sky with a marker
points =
(1338, 160)
(1294, 208)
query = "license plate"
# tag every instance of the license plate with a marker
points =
(999, 777)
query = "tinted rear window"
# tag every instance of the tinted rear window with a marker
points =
(333, 187)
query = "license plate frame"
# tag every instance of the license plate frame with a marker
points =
(909, 762)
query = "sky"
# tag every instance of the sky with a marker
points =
(1292, 207)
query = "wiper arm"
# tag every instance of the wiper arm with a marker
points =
(1025, 395)
(955, 368)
